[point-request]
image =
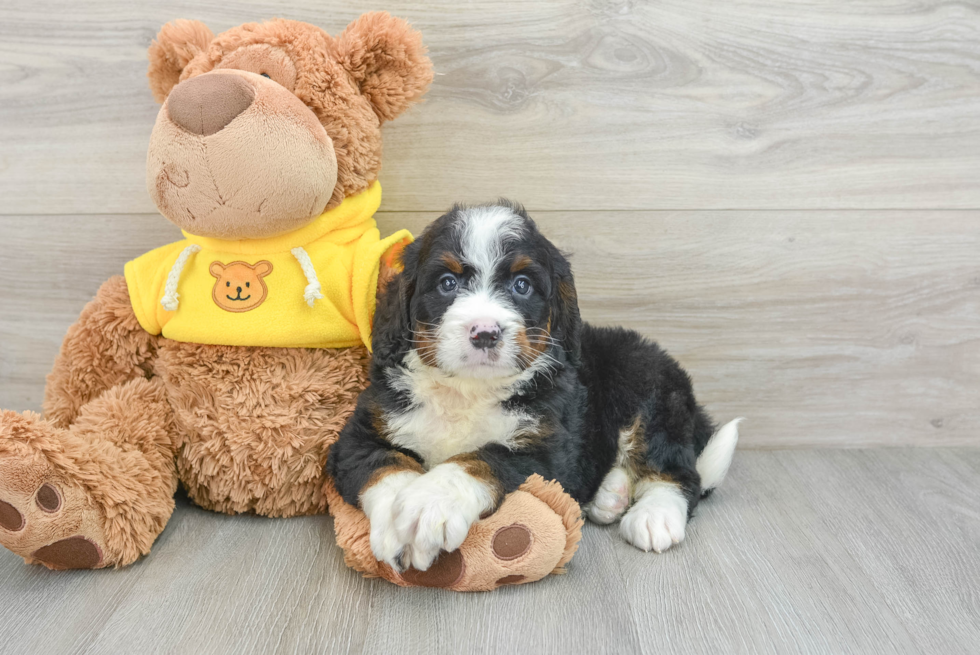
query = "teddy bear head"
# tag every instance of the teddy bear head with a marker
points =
(267, 125)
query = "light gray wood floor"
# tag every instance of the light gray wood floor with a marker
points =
(798, 552)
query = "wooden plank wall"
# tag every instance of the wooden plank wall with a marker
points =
(785, 195)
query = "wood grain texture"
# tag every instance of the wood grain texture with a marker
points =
(566, 104)
(823, 552)
(822, 328)
(798, 552)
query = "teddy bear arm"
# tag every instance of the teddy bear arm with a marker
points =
(105, 347)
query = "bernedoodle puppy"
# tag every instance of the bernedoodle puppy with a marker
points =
(484, 373)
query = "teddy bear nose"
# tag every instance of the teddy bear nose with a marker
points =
(205, 104)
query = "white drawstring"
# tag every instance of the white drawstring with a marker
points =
(312, 293)
(170, 298)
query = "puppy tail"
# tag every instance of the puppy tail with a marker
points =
(714, 460)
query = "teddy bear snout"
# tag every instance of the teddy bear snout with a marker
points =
(205, 104)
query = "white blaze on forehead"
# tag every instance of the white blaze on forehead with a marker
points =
(484, 231)
(484, 234)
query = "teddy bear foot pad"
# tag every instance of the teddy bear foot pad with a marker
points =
(44, 518)
(449, 570)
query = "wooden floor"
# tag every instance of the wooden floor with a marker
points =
(860, 551)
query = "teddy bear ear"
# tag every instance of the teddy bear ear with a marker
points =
(386, 57)
(176, 44)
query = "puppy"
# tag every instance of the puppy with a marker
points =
(484, 373)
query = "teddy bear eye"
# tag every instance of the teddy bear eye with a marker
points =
(266, 75)
(227, 284)
(247, 284)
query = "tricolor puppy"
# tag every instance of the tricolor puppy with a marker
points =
(484, 373)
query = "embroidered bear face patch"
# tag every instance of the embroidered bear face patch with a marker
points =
(239, 287)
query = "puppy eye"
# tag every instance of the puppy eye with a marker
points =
(522, 286)
(448, 283)
(266, 76)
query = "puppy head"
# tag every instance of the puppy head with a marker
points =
(483, 295)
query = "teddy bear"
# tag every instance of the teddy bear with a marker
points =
(229, 361)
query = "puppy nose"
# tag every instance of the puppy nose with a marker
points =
(484, 333)
(205, 104)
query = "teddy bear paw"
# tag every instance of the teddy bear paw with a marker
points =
(44, 518)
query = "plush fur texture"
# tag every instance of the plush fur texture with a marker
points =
(271, 416)
(484, 374)
(129, 415)
(371, 73)
(104, 348)
(176, 45)
(114, 467)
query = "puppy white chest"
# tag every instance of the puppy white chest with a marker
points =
(449, 417)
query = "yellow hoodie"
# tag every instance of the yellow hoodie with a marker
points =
(311, 288)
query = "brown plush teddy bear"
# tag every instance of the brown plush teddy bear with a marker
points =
(228, 362)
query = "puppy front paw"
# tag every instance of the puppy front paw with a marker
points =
(378, 502)
(658, 519)
(435, 512)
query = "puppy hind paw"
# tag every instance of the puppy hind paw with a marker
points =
(656, 522)
(611, 500)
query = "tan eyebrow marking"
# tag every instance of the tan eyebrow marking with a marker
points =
(452, 263)
(520, 263)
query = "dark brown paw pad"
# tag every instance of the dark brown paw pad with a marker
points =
(71, 553)
(510, 579)
(444, 572)
(511, 542)
(48, 498)
(10, 518)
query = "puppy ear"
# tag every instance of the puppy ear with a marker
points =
(392, 330)
(176, 44)
(566, 322)
(386, 58)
